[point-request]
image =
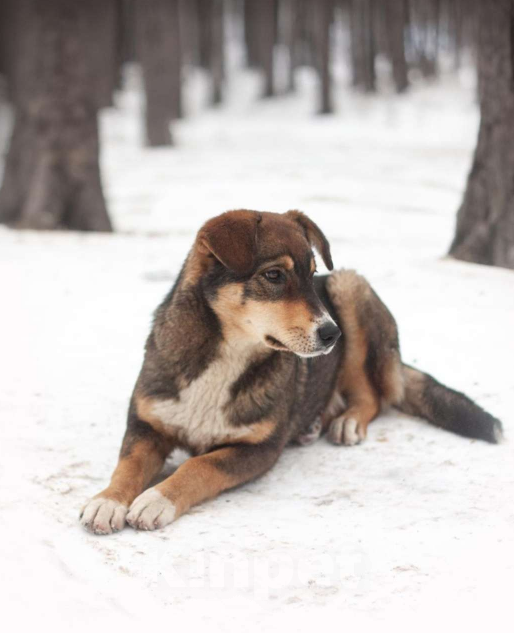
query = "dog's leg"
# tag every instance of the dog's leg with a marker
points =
(351, 427)
(311, 433)
(360, 394)
(198, 479)
(141, 458)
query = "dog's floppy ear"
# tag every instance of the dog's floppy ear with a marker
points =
(231, 239)
(315, 236)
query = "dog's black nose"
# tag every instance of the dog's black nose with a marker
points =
(328, 334)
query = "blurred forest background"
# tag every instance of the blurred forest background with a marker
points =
(62, 61)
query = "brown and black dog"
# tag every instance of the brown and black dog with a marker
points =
(250, 351)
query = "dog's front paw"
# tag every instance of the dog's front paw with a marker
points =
(311, 433)
(346, 431)
(151, 510)
(101, 515)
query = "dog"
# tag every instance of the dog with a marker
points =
(251, 351)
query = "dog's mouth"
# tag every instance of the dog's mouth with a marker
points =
(274, 343)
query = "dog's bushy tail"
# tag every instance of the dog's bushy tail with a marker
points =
(446, 408)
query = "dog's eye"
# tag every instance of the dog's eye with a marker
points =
(274, 275)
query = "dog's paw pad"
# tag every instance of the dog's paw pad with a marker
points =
(103, 516)
(346, 431)
(150, 511)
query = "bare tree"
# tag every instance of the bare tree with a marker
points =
(424, 35)
(485, 221)
(7, 18)
(103, 24)
(288, 23)
(158, 46)
(261, 35)
(211, 44)
(363, 44)
(52, 176)
(394, 14)
(322, 19)
(251, 33)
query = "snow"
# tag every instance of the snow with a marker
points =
(412, 528)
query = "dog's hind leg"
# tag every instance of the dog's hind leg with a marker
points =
(370, 374)
(362, 406)
(351, 427)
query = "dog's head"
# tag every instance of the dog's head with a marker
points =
(257, 272)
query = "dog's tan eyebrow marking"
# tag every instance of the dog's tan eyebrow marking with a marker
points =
(286, 261)
(313, 265)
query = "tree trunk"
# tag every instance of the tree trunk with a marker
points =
(362, 44)
(395, 23)
(485, 221)
(4, 35)
(424, 35)
(322, 19)
(456, 19)
(267, 29)
(102, 25)
(52, 176)
(158, 44)
(288, 26)
(251, 28)
(217, 54)
(302, 38)
(260, 18)
(211, 44)
(127, 31)
(10, 26)
(249, 35)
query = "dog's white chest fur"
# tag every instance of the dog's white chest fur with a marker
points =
(199, 415)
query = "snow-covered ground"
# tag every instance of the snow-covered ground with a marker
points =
(414, 528)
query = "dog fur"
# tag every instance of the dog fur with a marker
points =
(251, 351)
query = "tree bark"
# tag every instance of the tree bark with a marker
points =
(395, 23)
(4, 34)
(288, 27)
(52, 176)
(267, 29)
(251, 29)
(211, 44)
(158, 44)
(455, 27)
(127, 31)
(217, 51)
(102, 26)
(424, 35)
(10, 26)
(260, 18)
(362, 44)
(323, 14)
(485, 220)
